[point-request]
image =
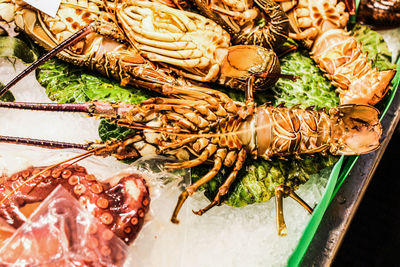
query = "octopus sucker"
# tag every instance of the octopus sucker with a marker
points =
(110, 202)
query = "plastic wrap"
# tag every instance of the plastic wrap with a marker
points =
(62, 232)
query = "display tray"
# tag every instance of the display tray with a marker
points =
(346, 186)
(340, 212)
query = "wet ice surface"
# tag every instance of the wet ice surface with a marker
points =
(224, 236)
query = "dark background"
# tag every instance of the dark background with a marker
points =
(373, 238)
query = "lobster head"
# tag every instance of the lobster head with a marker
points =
(356, 129)
(241, 62)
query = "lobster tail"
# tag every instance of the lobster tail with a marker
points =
(355, 129)
(341, 57)
(346, 130)
(376, 81)
(321, 27)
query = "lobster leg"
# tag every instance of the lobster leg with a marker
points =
(287, 5)
(228, 182)
(309, 33)
(211, 75)
(247, 15)
(109, 29)
(208, 151)
(282, 191)
(219, 157)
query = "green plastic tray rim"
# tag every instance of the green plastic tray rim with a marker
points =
(336, 179)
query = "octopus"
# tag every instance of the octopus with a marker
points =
(120, 204)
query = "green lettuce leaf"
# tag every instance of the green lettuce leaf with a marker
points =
(376, 48)
(12, 47)
(8, 96)
(65, 83)
(109, 131)
(310, 89)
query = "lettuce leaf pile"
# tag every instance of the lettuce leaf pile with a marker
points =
(376, 48)
(65, 83)
(310, 89)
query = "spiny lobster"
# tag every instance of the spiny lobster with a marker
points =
(205, 126)
(320, 25)
(141, 42)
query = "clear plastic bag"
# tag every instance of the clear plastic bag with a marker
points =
(62, 233)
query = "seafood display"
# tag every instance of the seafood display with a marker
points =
(320, 24)
(120, 204)
(183, 58)
(379, 13)
(208, 125)
(186, 43)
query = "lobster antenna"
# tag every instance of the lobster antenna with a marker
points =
(69, 41)
(41, 143)
(77, 158)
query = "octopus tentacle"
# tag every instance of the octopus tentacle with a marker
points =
(120, 204)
